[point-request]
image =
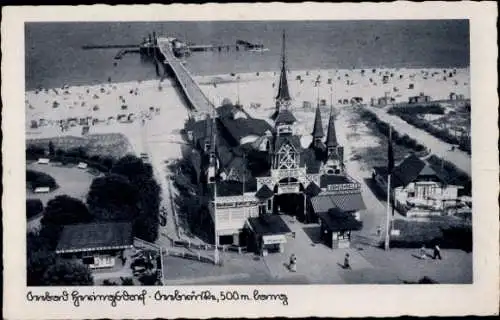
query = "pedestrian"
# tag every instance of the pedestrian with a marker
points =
(347, 264)
(437, 252)
(423, 252)
(379, 231)
(293, 263)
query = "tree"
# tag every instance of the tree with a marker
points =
(113, 198)
(61, 211)
(133, 168)
(39, 258)
(33, 207)
(127, 281)
(64, 210)
(67, 273)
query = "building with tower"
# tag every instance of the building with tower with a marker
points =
(252, 171)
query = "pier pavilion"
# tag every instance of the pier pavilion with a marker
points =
(254, 170)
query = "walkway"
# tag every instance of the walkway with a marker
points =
(192, 91)
(438, 147)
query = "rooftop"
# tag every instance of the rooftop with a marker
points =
(95, 236)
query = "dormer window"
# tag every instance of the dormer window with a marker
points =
(207, 146)
(211, 179)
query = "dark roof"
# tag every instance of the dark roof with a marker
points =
(331, 135)
(241, 127)
(268, 225)
(283, 116)
(311, 159)
(229, 188)
(325, 180)
(337, 220)
(318, 126)
(95, 236)
(407, 171)
(264, 192)
(344, 201)
(312, 190)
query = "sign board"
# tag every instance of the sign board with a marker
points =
(288, 188)
(343, 186)
(274, 239)
(395, 233)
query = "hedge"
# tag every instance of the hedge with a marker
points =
(36, 179)
(384, 128)
(33, 207)
(417, 109)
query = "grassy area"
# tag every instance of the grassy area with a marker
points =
(447, 232)
(114, 145)
(71, 180)
(377, 155)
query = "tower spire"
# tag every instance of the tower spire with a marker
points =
(283, 95)
(331, 136)
(318, 126)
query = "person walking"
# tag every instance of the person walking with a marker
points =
(347, 264)
(437, 253)
(379, 231)
(423, 252)
(293, 263)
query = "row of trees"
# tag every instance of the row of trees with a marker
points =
(128, 193)
(411, 116)
(434, 108)
(384, 128)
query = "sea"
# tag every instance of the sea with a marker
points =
(54, 56)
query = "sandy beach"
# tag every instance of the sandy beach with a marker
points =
(134, 101)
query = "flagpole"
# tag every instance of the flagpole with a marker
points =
(389, 173)
(388, 216)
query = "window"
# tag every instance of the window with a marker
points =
(269, 205)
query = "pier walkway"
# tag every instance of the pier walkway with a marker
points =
(196, 98)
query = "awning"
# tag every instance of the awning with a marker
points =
(346, 202)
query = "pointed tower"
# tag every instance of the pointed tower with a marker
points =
(331, 135)
(318, 128)
(334, 152)
(283, 97)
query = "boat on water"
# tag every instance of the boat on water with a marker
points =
(258, 50)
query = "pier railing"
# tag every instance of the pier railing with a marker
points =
(190, 88)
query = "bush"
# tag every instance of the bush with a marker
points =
(36, 179)
(34, 152)
(33, 207)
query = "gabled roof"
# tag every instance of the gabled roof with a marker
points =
(239, 128)
(293, 140)
(407, 171)
(331, 135)
(312, 189)
(283, 116)
(318, 126)
(229, 188)
(264, 192)
(344, 201)
(95, 236)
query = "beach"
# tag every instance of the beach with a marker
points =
(121, 107)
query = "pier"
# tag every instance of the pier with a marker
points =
(196, 99)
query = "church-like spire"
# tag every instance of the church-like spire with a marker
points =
(283, 92)
(318, 126)
(331, 136)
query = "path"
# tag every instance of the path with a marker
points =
(438, 147)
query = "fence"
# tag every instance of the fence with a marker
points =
(208, 247)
